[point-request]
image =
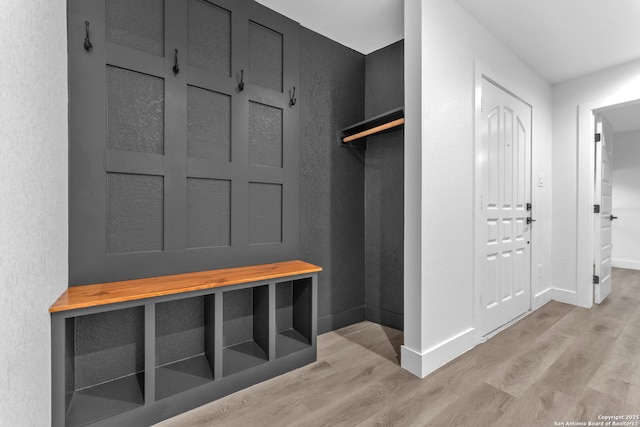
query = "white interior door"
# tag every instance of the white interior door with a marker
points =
(503, 179)
(603, 198)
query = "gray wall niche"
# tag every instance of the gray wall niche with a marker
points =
(384, 191)
(344, 225)
(331, 178)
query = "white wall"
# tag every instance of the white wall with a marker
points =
(33, 201)
(614, 83)
(626, 200)
(441, 43)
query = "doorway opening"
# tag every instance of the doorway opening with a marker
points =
(601, 124)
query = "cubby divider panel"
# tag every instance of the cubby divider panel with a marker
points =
(293, 316)
(106, 353)
(184, 344)
(245, 328)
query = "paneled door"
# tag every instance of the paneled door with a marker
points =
(603, 219)
(502, 212)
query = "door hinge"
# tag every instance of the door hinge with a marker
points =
(598, 137)
(596, 208)
(596, 280)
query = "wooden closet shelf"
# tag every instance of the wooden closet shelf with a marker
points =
(352, 136)
(129, 290)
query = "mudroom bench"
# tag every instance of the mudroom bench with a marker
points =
(139, 351)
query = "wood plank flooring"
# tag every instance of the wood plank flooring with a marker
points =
(559, 364)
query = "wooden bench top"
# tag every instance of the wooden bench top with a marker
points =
(129, 290)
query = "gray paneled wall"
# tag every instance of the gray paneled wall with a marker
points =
(181, 169)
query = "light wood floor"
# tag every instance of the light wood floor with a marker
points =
(559, 364)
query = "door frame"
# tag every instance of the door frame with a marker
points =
(585, 221)
(483, 71)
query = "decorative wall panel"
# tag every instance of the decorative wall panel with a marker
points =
(208, 124)
(209, 39)
(134, 213)
(265, 57)
(136, 24)
(265, 213)
(135, 112)
(208, 212)
(265, 135)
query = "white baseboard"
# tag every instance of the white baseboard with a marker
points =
(625, 263)
(542, 298)
(567, 297)
(422, 364)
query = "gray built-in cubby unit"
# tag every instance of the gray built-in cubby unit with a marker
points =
(293, 326)
(185, 344)
(104, 364)
(245, 329)
(140, 351)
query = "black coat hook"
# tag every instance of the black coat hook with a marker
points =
(176, 68)
(241, 84)
(292, 97)
(87, 43)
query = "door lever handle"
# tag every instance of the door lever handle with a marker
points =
(530, 220)
(611, 217)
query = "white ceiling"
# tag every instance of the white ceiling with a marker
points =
(624, 118)
(560, 39)
(362, 25)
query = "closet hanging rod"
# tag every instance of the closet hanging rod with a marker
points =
(373, 130)
(355, 135)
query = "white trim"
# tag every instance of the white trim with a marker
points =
(585, 192)
(483, 71)
(422, 364)
(411, 360)
(541, 298)
(562, 295)
(625, 263)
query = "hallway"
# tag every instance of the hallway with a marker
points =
(559, 364)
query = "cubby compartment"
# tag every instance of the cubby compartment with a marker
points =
(245, 329)
(105, 364)
(184, 344)
(293, 316)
